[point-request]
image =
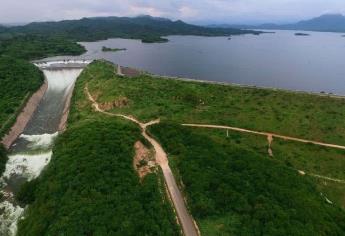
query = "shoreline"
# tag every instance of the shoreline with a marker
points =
(24, 116)
(325, 94)
(167, 77)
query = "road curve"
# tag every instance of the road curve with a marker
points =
(266, 134)
(185, 219)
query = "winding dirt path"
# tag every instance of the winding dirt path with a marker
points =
(185, 219)
(270, 140)
(301, 172)
(269, 135)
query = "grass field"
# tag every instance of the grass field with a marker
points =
(292, 114)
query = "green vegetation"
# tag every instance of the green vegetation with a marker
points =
(26, 193)
(294, 114)
(232, 190)
(312, 159)
(146, 28)
(35, 47)
(106, 49)
(18, 81)
(90, 186)
(154, 39)
(232, 185)
(3, 159)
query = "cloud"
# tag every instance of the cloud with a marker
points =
(232, 11)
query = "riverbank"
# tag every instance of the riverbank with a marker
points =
(25, 115)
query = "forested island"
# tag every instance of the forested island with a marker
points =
(301, 34)
(106, 49)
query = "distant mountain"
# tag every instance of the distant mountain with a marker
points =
(324, 23)
(147, 28)
(2, 28)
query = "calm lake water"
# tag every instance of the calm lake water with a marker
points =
(282, 60)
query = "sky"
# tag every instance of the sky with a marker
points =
(193, 11)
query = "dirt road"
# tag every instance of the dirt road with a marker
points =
(185, 219)
(271, 135)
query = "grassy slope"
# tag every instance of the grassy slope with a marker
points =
(180, 102)
(90, 186)
(232, 190)
(302, 115)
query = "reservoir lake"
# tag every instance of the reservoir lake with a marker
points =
(314, 63)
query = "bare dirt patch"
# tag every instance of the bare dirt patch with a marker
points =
(120, 102)
(130, 72)
(143, 161)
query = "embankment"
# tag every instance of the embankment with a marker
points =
(65, 113)
(25, 116)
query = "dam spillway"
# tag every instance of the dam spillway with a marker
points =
(32, 150)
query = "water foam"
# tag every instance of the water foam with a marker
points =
(40, 140)
(9, 217)
(26, 165)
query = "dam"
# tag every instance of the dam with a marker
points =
(31, 150)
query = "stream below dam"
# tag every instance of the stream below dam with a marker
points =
(32, 150)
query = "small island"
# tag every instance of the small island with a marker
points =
(154, 39)
(301, 34)
(106, 49)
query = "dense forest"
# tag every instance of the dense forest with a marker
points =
(146, 28)
(3, 159)
(18, 80)
(90, 187)
(234, 191)
(35, 47)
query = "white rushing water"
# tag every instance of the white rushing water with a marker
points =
(30, 160)
(40, 141)
(26, 165)
(60, 80)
